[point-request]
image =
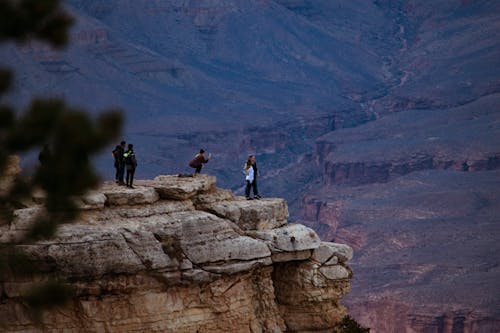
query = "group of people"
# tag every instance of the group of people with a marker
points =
(124, 160)
(250, 170)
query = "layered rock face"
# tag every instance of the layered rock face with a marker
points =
(416, 194)
(180, 255)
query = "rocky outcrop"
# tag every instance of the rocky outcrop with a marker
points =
(180, 255)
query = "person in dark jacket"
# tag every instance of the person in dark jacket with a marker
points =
(119, 162)
(130, 164)
(198, 161)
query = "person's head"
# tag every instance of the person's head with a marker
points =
(122, 144)
(202, 152)
(130, 146)
(250, 161)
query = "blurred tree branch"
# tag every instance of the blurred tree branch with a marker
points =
(72, 135)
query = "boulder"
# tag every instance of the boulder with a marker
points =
(179, 188)
(140, 195)
(289, 238)
(205, 238)
(335, 272)
(91, 200)
(323, 253)
(264, 214)
(342, 251)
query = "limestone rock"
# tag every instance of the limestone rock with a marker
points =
(237, 267)
(82, 251)
(150, 251)
(322, 253)
(307, 298)
(207, 238)
(160, 208)
(118, 195)
(264, 214)
(194, 258)
(91, 200)
(342, 251)
(336, 272)
(290, 256)
(180, 188)
(203, 200)
(289, 238)
(333, 261)
(25, 217)
(332, 253)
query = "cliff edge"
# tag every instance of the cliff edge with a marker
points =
(180, 255)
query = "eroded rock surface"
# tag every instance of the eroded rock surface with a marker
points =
(179, 255)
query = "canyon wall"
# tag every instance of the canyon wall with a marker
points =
(416, 195)
(177, 254)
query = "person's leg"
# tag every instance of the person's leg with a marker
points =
(198, 169)
(247, 190)
(132, 172)
(255, 190)
(121, 172)
(127, 177)
(117, 173)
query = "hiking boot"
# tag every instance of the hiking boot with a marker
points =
(248, 198)
(257, 197)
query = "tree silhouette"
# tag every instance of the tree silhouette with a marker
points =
(70, 137)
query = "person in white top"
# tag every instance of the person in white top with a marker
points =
(250, 170)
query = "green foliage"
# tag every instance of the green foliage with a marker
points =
(69, 137)
(349, 325)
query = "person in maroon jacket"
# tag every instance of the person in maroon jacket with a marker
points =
(198, 161)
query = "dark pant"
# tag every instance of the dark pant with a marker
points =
(251, 185)
(120, 171)
(198, 169)
(130, 176)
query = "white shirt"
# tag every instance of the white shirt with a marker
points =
(250, 175)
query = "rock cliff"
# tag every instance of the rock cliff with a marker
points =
(180, 255)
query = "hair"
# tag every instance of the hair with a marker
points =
(130, 146)
(248, 164)
(202, 151)
(122, 143)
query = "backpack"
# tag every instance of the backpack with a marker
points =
(130, 160)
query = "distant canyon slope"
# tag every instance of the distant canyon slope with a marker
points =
(379, 121)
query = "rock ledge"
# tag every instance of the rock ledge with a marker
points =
(175, 253)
